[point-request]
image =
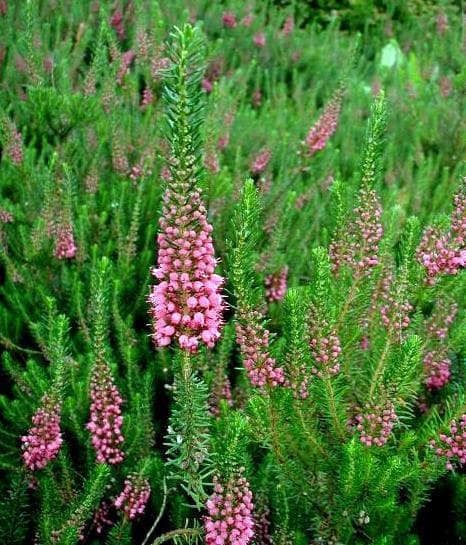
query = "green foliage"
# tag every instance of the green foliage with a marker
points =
(90, 137)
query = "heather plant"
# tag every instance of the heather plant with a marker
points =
(232, 247)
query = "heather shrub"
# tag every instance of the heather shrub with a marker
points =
(232, 247)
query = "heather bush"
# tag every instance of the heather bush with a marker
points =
(232, 247)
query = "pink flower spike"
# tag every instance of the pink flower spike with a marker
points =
(44, 439)
(229, 519)
(134, 497)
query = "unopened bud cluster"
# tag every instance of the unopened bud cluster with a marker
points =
(134, 496)
(44, 439)
(253, 340)
(452, 446)
(375, 424)
(229, 519)
(275, 285)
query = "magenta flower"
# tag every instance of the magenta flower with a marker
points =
(453, 446)
(5, 216)
(375, 424)
(207, 85)
(186, 304)
(247, 20)
(259, 39)
(358, 245)
(324, 344)
(230, 512)
(323, 129)
(253, 340)
(441, 319)
(261, 160)
(44, 439)
(105, 416)
(437, 370)
(117, 23)
(445, 254)
(275, 285)
(229, 19)
(288, 26)
(147, 97)
(14, 145)
(134, 497)
(65, 247)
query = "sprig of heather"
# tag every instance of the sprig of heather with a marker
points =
(452, 446)
(12, 141)
(324, 128)
(133, 499)
(106, 420)
(356, 241)
(375, 424)
(186, 303)
(44, 439)
(275, 285)
(444, 253)
(229, 519)
(253, 340)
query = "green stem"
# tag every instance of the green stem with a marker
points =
(332, 406)
(379, 368)
(175, 533)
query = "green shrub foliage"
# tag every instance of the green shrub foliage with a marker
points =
(311, 151)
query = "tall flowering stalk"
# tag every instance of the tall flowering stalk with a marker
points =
(186, 303)
(106, 420)
(357, 238)
(105, 416)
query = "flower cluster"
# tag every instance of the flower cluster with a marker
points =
(262, 534)
(445, 253)
(105, 416)
(5, 216)
(440, 320)
(275, 285)
(44, 439)
(453, 446)
(186, 304)
(261, 161)
(253, 340)
(325, 351)
(375, 424)
(14, 145)
(230, 512)
(134, 496)
(221, 390)
(395, 314)
(101, 517)
(439, 254)
(229, 19)
(358, 245)
(288, 26)
(125, 62)
(259, 39)
(117, 23)
(323, 129)
(147, 97)
(437, 370)
(65, 247)
(324, 344)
